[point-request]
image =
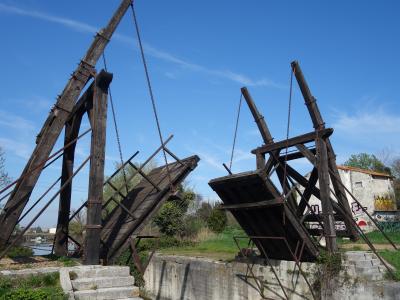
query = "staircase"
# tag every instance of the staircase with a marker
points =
(364, 264)
(98, 283)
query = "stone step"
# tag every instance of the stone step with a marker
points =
(365, 262)
(100, 271)
(370, 269)
(89, 283)
(108, 294)
(359, 255)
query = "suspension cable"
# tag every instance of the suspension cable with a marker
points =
(151, 92)
(116, 128)
(288, 127)
(235, 133)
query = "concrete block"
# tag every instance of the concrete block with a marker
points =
(108, 293)
(102, 282)
(101, 271)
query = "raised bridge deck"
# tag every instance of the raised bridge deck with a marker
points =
(260, 210)
(143, 201)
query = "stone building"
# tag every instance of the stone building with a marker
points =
(374, 190)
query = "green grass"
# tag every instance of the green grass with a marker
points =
(393, 258)
(376, 237)
(220, 247)
(44, 286)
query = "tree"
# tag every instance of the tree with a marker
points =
(367, 162)
(217, 220)
(396, 181)
(204, 211)
(171, 217)
(4, 178)
(77, 226)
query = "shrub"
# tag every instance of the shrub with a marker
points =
(191, 226)
(34, 294)
(19, 251)
(170, 219)
(204, 211)
(217, 220)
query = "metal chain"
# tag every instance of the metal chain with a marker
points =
(151, 93)
(288, 127)
(236, 129)
(116, 129)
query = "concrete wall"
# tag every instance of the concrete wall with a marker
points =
(375, 193)
(175, 277)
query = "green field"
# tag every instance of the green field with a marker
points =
(220, 247)
(376, 237)
(393, 258)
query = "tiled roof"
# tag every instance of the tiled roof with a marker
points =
(354, 169)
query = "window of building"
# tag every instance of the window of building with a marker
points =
(358, 184)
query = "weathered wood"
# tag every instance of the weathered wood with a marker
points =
(327, 210)
(54, 125)
(71, 132)
(295, 155)
(262, 126)
(307, 192)
(301, 139)
(269, 224)
(309, 99)
(143, 201)
(253, 205)
(96, 173)
(319, 123)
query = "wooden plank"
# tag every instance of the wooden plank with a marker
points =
(96, 173)
(301, 139)
(143, 201)
(54, 125)
(253, 205)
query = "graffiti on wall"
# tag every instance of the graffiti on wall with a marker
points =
(384, 203)
(359, 214)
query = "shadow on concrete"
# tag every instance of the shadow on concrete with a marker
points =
(161, 280)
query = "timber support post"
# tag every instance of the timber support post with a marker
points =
(96, 173)
(319, 124)
(54, 124)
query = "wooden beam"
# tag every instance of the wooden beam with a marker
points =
(327, 210)
(54, 124)
(308, 192)
(319, 123)
(96, 173)
(261, 124)
(338, 188)
(309, 99)
(301, 139)
(296, 155)
(71, 132)
(253, 205)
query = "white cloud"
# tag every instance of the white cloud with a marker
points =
(150, 50)
(75, 25)
(20, 149)
(10, 120)
(368, 122)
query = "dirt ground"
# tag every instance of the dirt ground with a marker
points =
(351, 246)
(28, 263)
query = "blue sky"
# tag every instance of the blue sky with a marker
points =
(200, 53)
